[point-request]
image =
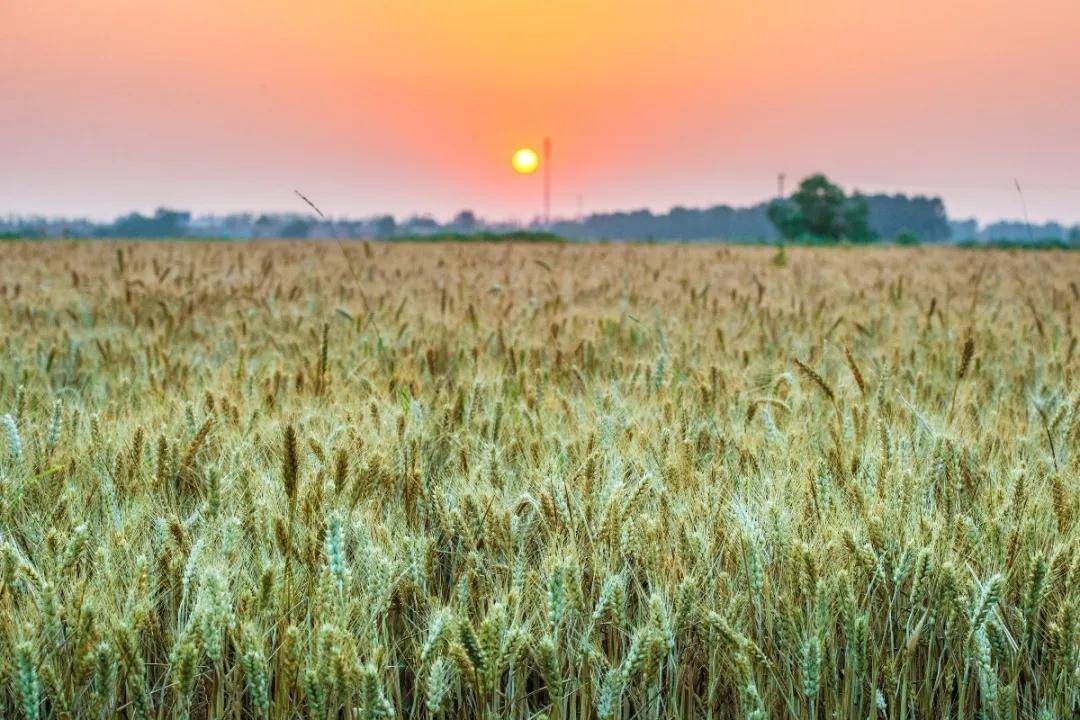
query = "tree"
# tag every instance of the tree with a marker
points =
(385, 226)
(263, 227)
(420, 225)
(784, 214)
(924, 217)
(821, 210)
(164, 223)
(856, 225)
(295, 229)
(465, 221)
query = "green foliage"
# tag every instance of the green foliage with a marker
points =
(164, 223)
(780, 259)
(820, 209)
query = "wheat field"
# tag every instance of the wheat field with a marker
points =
(626, 482)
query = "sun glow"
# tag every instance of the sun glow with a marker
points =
(525, 161)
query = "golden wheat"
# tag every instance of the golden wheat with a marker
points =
(572, 482)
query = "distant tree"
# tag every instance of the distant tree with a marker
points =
(784, 214)
(1018, 231)
(821, 209)
(924, 217)
(296, 229)
(856, 221)
(421, 225)
(1074, 236)
(263, 226)
(385, 226)
(906, 238)
(964, 230)
(719, 222)
(30, 231)
(465, 221)
(164, 223)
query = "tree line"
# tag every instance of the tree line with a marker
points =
(818, 211)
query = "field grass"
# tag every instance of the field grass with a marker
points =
(497, 481)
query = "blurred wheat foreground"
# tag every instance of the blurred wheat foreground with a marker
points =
(460, 481)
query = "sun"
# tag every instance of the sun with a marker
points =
(525, 161)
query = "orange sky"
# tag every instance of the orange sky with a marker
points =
(402, 106)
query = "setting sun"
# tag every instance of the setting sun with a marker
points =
(525, 161)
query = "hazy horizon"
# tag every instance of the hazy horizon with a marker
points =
(120, 105)
(302, 210)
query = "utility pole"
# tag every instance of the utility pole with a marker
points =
(547, 182)
(780, 185)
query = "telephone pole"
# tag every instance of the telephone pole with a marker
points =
(780, 186)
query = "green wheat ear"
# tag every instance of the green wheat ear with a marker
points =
(253, 661)
(439, 686)
(11, 434)
(29, 682)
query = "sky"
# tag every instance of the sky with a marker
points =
(406, 106)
